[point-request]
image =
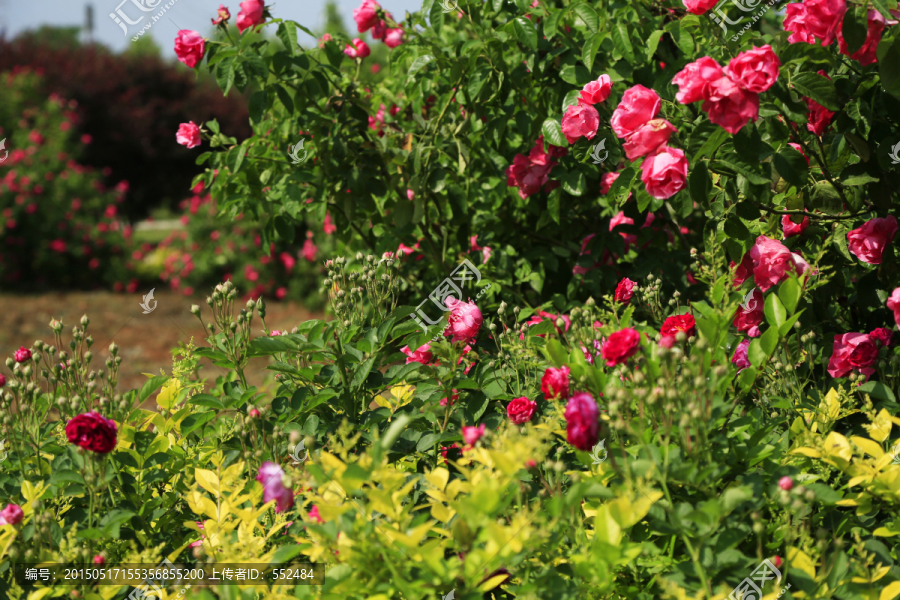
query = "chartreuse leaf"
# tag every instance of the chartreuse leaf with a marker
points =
(775, 311)
(789, 292)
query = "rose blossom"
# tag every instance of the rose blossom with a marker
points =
(620, 346)
(624, 291)
(882, 335)
(606, 182)
(410, 194)
(189, 47)
(596, 92)
(739, 358)
(465, 320)
(639, 104)
(93, 432)
(772, 262)
(729, 106)
(580, 120)
(581, 421)
(520, 410)
(22, 354)
(393, 37)
(11, 515)
(852, 352)
(272, 479)
(664, 173)
(754, 70)
(2, 380)
(698, 7)
(472, 434)
(366, 15)
(251, 14)
(223, 14)
(648, 138)
(818, 117)
(867, 242)
(813, 19)
(790, 228)
(866, 55)
(555, 382)
(188, 135)
(695, 78)
(679, 323)
(314, 515)
(530, 173)
(786, 483)
(893, 303)
(357, 49)
(421, 355)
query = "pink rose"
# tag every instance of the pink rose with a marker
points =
(638, 105)
(624, 291)
(555, 382)
(699, 7)
(580, 120)
(818, 117)
(867, 243)
(739, 358)
(472, 434)
(357, 49)
(606, 182)
(23, 354)
(852, 352)
(596, 91)
(188, 135)
(11, 515)
(813, 19)
(410, 194)
(325, 38)
(772, 262)
(530, 173)
(790, 228)
(694, 79)
(754, 70)
(620, 346)
(743, 271)
(520, 410)
(745, 319)
(648, 138)
(366, 15)
(866, 54)
(893, 303)
(465, 320)
(189, 47)
(223, 14)
(272, 478)
(730, 106)
(619, 219)
(393, 37)
(664, 173)
(582, 426)
(786, 483)
(882, 335)
(251, 14)
(421, 355)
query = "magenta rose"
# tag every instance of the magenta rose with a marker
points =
(620, 346)
(530, 173)
(790, 228)
(664, 173)
(866, 54)
(624, 291)
(366, 15)
(251, 14)
(555, 383)
(867, 243)
(694, 79)
(750, 315)
(421, 355)
(22, 354)
(852, 352)
(188, 135)
(582, 426)
(739, 358)
(814, 20)
(882, 335)
(699, 7)
(729, 106)
(357, 49)
(272, 479)
(465, 320)
(596, 92)
(580, 120)
(754, 70)
(189, 47)
(520, 410)
(893, 304)
(648, 138)
(472, 434)
(223, 15)
(2, 380)
(92, 431)
(606, 182)
(772, 262)
(11, 515)
(393, 37)
(639, 104)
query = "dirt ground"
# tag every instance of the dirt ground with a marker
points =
(145, 341)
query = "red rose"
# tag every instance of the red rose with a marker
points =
(189, 47)
(580, 120)
(93, 432)
(366, 15)
(596, 92)
(620, 346)
(814, 19)
(639, 104)
(520, 410)
(530, 173)
(882, 335)
(555, 383)
(679, 323)
(695, 78)
(581, 421)
(251, 14)
(750, 314)
(818, 117)
(698, 7)
(867, 243)
(790, 228)
(665, 173)
(625, 290)
(866, 54)
(730, 106)
(754, 70)
(648, 138)
(22, 354)
(852, 352)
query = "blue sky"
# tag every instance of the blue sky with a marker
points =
(17, 16)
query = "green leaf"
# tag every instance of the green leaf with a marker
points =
(826, 198)
(748, 377)
(574, 182)
(700, 183)
(428, 441)
(735, 228)
(885, 7)
(225, 74)
(756, 354)
(877, 390)
(206, 400)
(817, 87)
(711, 144)
(735, 165)
(792, 167)
(621, 187)
(588, 15)
(551, 23)
(525, 32)
(769, 340)
(394, 431)
(284, 229)
(553, 201)
(152, 384)
(285, 553)
(436, 16)
(114, 520)
(552, 130)
(855, 28)
(590, 50)
(259, 102)
(653, 42)
(195, 420)
(789, 292)
(420, 62)
(775, 311)
(622, 42)
(287, 33)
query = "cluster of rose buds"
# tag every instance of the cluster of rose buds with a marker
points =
(352, 292)
(237, 330)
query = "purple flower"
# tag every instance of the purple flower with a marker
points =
(272, 479)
